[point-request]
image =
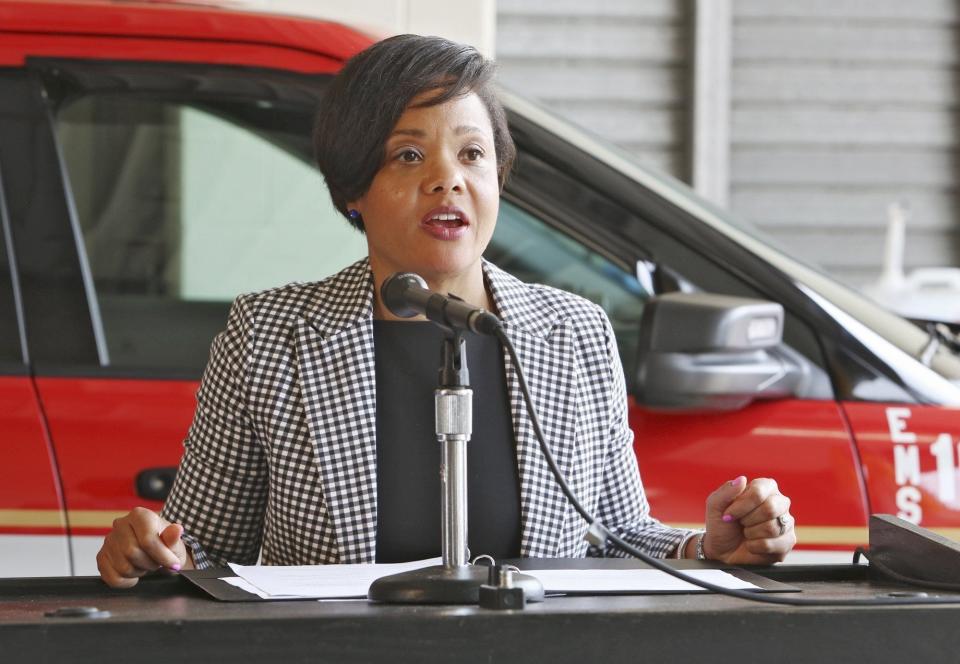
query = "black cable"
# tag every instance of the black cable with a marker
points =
(628, 548)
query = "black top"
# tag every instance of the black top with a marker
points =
(408, 453)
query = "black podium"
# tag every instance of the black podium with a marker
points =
(166, 619)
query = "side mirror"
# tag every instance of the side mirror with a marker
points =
(700, 351)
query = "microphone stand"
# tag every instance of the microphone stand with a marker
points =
(455, 581)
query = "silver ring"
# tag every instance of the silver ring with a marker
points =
(784, 522)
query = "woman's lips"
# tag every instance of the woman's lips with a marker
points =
(445, 222)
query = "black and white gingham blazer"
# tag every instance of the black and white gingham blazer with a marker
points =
(282, 450)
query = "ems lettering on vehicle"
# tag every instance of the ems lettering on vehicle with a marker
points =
(907, 455)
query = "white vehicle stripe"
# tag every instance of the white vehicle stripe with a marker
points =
(34, 555)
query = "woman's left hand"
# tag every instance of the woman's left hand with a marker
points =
(748, 523)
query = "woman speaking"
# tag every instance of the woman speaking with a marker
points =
(313, 438)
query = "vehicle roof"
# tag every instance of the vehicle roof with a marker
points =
(207, 21)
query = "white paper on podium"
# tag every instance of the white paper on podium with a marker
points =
(317, 581)
(240, 583)
(631, 580)
(243, 584)
(353, 581)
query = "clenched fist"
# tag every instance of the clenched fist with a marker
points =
(141, 542)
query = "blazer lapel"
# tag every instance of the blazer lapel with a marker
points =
(543, 340)
(337, 376)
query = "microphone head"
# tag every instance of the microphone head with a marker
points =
(393, 292)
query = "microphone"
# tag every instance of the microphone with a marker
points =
(406, 294)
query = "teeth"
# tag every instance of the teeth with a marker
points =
(445, 217)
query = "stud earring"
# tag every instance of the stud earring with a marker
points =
(353, 214)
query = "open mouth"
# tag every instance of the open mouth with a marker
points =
(446, 220)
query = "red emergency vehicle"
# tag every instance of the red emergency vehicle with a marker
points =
(155, 161)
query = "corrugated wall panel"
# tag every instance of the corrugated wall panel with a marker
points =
(618, 67)
(826, 84)
(860, 266)
(825, 167)
(839, 108)
(777, 40)
(860, 11)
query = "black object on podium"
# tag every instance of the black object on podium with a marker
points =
(912, 552)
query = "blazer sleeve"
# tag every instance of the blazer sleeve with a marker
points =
(220, 491)
(623, 506)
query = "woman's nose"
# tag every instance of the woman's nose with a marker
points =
(444, 176)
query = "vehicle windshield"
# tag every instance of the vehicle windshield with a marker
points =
(905, 335)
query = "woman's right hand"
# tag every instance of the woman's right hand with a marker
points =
(139, 543)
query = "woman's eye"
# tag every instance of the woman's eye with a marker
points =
(409, 156)
(473, 154)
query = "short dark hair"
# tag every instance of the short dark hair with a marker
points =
(374, 88)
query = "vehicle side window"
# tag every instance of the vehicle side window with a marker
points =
(580, 210)
(537, 253)
(181, 207)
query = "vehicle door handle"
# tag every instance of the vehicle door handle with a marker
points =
(155, 483)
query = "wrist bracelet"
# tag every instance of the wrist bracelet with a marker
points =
(700, 554)
(682, 547)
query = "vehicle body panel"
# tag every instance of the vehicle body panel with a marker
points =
(33, 524)
(910, 459)
(59, 29)
(107, 431)
(802, 444)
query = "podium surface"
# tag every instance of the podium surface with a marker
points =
(166, 619)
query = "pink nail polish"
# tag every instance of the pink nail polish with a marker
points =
(727, 518)
(175, 568)
(736, 480)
